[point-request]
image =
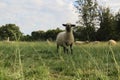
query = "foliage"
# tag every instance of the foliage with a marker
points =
(52, 34)
(49, 34)
(88, 17)
(117, 21)
(26, 38)
(82, 33)
(10, 30)
(98, 22)
(38, 35)
(107, 25)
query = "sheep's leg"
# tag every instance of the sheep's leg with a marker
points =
(71, 48)
(64, 49)
(67, 50)
(57, 48)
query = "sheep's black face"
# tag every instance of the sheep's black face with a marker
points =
(68, 28)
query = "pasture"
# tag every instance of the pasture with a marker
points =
(39, 61)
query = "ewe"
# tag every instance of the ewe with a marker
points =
(112, 42)
(81, 42)
(48, 42)
(66, 38)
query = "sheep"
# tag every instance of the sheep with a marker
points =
(66, 38)
(8, 39)
(48, 42)
(95, 42)
(81, 42)
(112, 42)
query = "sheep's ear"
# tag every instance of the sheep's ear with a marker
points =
(64, 24)
(73, 25)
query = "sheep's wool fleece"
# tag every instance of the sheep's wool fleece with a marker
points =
(112, 42)
(65, 37)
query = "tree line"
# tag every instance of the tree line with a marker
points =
(13, 32)
(95, 23)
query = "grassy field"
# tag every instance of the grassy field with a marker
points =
(39, 61)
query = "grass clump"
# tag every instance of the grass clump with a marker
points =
(39, 61)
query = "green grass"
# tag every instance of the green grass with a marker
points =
(39, 61)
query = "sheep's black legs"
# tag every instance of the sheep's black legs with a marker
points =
(65, 49)
(71, 49)
(57, 48)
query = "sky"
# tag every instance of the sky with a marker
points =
(34, 15)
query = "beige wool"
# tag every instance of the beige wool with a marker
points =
(112, 42)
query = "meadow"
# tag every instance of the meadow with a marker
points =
(40, 61)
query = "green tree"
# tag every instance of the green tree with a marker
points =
(52, 34)
(78, 33)
(38, 35)
(88, 16)
(10, 30)
(81, 32)
(49, 34)
(117, 20)
(107, 25)
(26, 38)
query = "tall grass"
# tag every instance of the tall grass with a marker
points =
(39, 61)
